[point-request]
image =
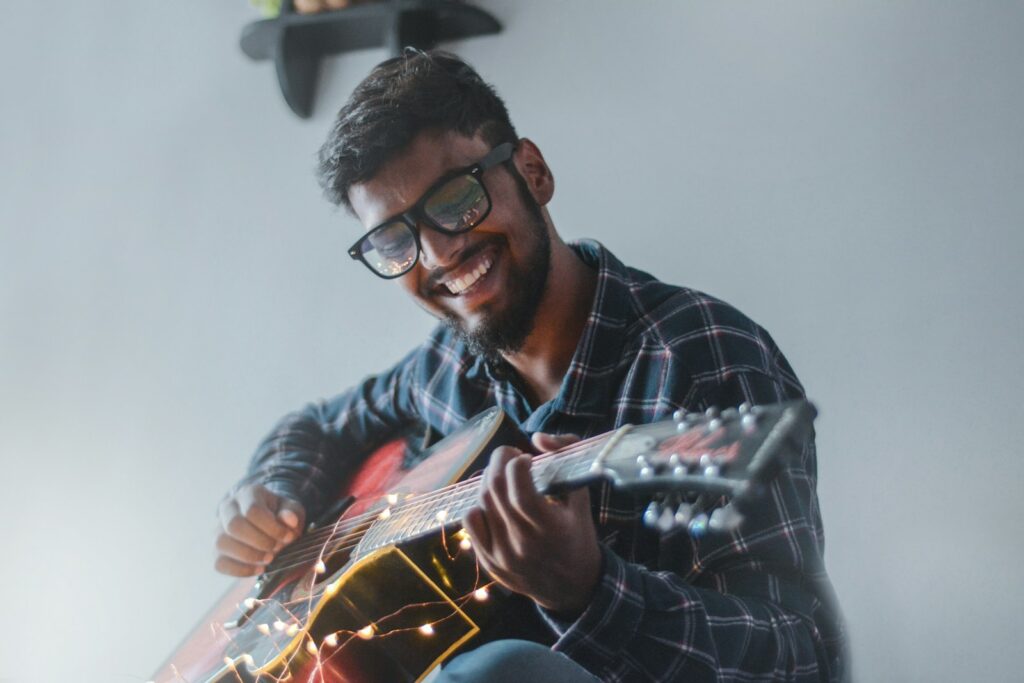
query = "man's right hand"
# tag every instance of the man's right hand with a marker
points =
(254, 525)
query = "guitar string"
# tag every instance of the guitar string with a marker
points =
(411, 508)
(429, 498)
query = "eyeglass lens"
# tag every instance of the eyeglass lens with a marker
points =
(456, 206)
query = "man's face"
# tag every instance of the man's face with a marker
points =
(504, 260)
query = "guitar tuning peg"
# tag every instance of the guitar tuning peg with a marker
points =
(730, 414)
(714, 424)
(652, 514)
(711, 413)
(684, 513)
(712, 471)
(698, 525)
(666, 521)
(679, 415)
(744, 408)
(749, 422)
(725, 518)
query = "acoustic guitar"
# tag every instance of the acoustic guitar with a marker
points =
(388, 588)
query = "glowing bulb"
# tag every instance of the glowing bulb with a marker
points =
(229, 662)
(465, 544)
(385, 514)
(333, 588)
(250, 603)
(279, 625)
(311, 647)
(427, 629)
(392, 498)
(441, 515)
(481, 594)
(264, 629)
(320, 567)
(366, 632)
(292, 629)
(331, 640)
(247, 658)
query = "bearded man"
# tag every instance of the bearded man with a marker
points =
(567, 341)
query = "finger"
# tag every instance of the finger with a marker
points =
(292, 513)
(244, 530)
(236, 550)
(552, 442)
(476, 526)
(259, 506)
(226, 565)
(523, 500)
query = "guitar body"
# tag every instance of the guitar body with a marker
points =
(361, 618)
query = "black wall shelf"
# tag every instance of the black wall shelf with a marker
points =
(297, 42)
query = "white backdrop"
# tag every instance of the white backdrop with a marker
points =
(849, 174)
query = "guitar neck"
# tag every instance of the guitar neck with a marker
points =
(552, 473)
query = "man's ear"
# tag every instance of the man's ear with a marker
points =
(535, 171)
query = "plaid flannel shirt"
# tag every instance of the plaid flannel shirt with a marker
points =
(753, 605)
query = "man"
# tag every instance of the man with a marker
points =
(566, 340)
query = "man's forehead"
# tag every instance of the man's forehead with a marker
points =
(403, 179)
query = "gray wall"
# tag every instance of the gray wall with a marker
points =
(848, 173)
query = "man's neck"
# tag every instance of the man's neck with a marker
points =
(561, 316)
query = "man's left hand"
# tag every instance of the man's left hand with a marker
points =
(541, 546)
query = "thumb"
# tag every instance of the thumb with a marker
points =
(552, 442)
(291, 512)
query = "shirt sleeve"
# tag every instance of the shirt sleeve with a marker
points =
(309, 452)
(721, 609)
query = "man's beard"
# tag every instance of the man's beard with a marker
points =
(506, 330)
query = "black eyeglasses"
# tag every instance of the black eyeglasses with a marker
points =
(456, 203)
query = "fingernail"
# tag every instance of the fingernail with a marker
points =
(267, 558)
(288, 517)
(288, 538)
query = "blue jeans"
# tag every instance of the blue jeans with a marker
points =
(513, 661)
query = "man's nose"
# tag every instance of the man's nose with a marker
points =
(440, 250)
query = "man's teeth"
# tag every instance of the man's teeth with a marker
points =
(461, 284)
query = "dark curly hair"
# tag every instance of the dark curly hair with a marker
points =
(402, 97)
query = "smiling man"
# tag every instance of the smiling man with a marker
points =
(567, 341)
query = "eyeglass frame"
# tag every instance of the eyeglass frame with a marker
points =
(415, 215)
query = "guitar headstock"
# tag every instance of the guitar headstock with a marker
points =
(689, 462)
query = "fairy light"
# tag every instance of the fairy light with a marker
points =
(291, 630)
(441, 516)
(249, 602)
(247, 658)
(427, 629)
(230, 663)
(331, 640)
(311, 648)
(465, 544)
(392, 498)
(366, 632)
(481, 594)
(385, 514)
(320, 567)
(264, 629)
(279, 625)
(332, 588)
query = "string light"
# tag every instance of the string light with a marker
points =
(427, 629)
(292, 629)
(279, 625)
(320, 567)
(249, 602)
(465, 544)
(247, 658)
(264, 629)
(481, 594)
(392, 498)
(385, 514)
(366, 632)
(331, 640)
(311, 648)
(441, 515)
